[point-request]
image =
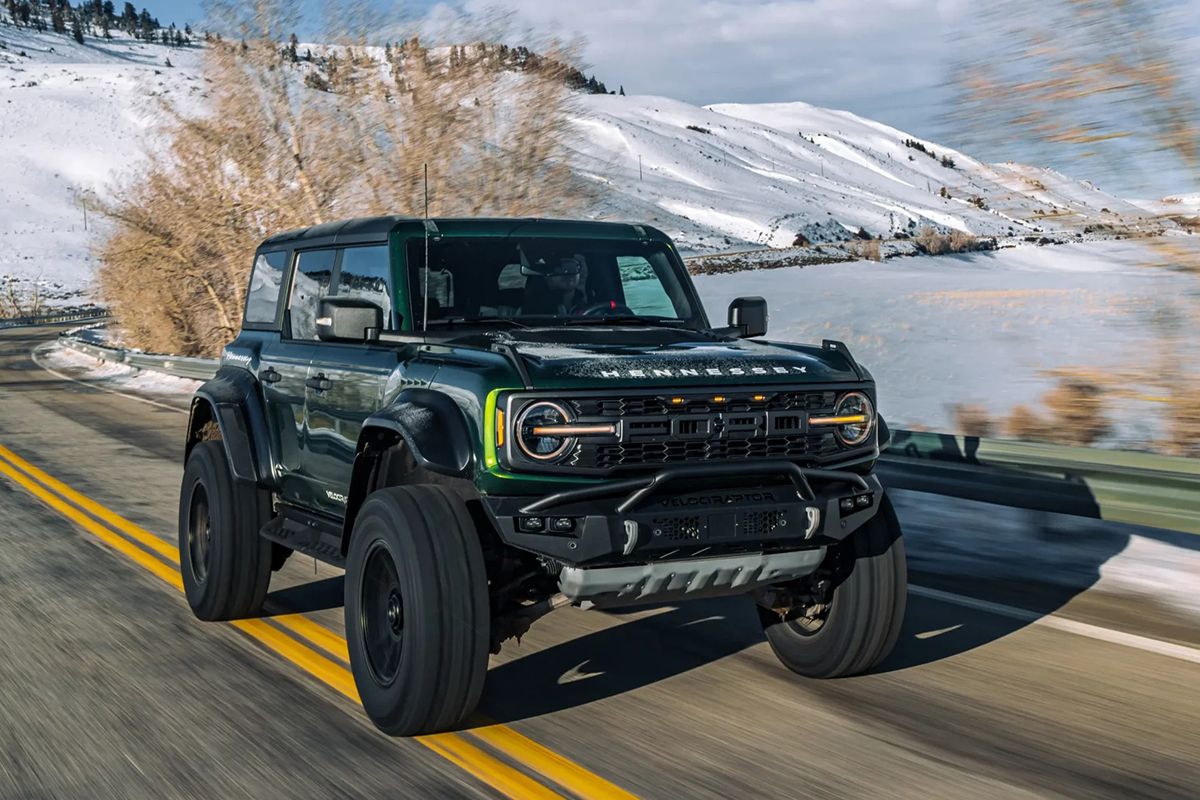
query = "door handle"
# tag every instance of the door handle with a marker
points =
(269, 375)
(319, 383)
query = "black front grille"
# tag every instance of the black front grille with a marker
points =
(626, 407)
(660, 430)
(668, 451)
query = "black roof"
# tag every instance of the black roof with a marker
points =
(342, 230)
(376, 229)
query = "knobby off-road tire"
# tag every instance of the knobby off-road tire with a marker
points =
(224, 563)
(416, 610)
(866, 612)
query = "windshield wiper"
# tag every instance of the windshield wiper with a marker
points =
(658, 322)
(448, 321)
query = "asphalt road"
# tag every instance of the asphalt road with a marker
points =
(110, 688)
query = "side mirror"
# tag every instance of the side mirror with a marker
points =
(748, 316)
(348, 319)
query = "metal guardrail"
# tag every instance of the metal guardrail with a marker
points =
(199, 369)
(1116, 485)
(54, 319)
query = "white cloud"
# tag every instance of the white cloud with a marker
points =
(869, 57)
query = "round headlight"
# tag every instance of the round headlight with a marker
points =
(534, 431)
(855, 404)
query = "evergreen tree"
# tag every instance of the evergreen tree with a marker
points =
(108, 10)
(129, 19)
(25, 12)
(77, 28)
(168, 63)
(293, 43)
(622, 92)
(11, 5)
(57, 23)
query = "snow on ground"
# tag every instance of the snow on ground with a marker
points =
(113, 375)
(978, 328)
(731, 175)
(72, 119)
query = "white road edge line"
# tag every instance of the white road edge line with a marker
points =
(34, 357)
(1158, 646)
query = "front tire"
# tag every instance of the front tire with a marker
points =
(417, 621)
(225, 565)
(862, 621)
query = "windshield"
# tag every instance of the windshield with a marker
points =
(548, 281)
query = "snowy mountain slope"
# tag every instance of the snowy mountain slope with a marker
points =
(73, 118)
(760, 174)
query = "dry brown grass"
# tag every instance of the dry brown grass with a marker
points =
(973, 420)
(1075, 414)
(276, 152)
(961, 242)
(932, 242)
(868, 249)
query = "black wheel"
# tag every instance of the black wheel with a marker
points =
(224, 563)
(858, 626)
(416, 610)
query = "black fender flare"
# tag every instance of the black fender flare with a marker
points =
(232, 400)
(433, 427)
(435, 439)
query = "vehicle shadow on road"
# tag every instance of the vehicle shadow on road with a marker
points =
(620, 658)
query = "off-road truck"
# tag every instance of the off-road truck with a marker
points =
(483, 420)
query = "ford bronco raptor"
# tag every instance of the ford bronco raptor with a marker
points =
(483, 420)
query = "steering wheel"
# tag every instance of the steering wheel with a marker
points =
(612, 307)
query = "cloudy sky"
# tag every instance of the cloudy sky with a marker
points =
(885, 59)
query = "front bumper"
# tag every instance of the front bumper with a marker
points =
(686, 512)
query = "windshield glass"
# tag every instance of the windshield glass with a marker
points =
(547, 281)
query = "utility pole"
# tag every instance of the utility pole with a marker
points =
(640, 168)
(83, 201)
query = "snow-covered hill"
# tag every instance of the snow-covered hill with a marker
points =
(732, 175)
(75, 117)
(72, 118)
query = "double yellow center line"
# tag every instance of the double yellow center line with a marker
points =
(322, 653)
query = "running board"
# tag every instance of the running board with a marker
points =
(308, 534)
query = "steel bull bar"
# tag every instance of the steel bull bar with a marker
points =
(686, 510)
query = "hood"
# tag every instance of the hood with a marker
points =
(579, 358)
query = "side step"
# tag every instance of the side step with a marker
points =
(307, 533)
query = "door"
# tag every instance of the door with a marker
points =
(284, 374)
(346, 381)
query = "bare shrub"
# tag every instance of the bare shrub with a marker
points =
(962, 242)
(1183, 418)
(865, 248)
(17, 303)
(1076, 415)
(971, 419)
(278, 150)
(932, 242)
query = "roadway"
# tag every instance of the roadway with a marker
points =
(110, 688)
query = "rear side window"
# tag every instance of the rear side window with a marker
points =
(266, 279)
(365, 273)
(314, 271)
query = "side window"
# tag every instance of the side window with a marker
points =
(314, 270)
(266, 278)
(644, 292)
(366, 273)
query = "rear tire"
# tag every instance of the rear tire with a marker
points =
(224, 563)
(417, 619)
(865, 613)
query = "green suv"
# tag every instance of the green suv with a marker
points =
(483, 420)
